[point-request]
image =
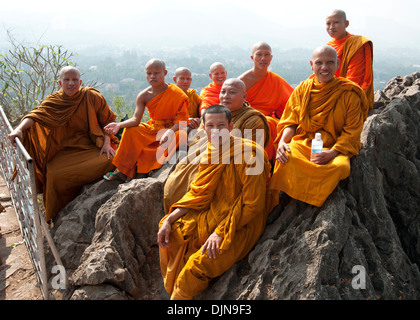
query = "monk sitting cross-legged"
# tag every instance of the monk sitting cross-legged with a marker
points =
(64, 136)
(266, 91)
(223, 215)
(183, 80)
(354, 52)
(141, 143)
(334, 107)
(210, 94)
(247, 123)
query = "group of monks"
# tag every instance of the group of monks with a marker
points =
(215, 208)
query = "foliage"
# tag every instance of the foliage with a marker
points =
(28, 74)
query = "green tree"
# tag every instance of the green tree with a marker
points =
(28, 73)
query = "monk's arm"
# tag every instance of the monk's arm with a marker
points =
(324, 157)
(18, 131)
(107, 147)
(166, 227)
(135, 120)
(283, 148)
(253, 192)
(358, 67)
(181, 122)
(348, 142)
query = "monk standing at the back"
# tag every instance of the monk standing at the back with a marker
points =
(266, 91)
(354, 52)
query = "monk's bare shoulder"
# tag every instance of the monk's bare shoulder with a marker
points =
(145, 96)
(249, 78)
(247, 75)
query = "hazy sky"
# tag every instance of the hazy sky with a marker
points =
(163, 23)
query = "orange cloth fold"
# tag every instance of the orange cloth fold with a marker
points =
(194, 103)
(65, 142)
(209, 96)
(269, 96)
(356, 62)
(139, 148)
(226, 199)
(337, 110)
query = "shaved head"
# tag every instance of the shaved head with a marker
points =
(324, 50)
(67, 69)
(238, 83)
(215, 66)
(261, 45)
(157, 63)
(338, 12)
(182, 70)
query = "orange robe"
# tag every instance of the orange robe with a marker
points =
(139, 148)
(65, 143)
(269, 96)
(209, 96)
(179, 181)
(226, 199)
(337, 110)
(356, 58)
(194, 103)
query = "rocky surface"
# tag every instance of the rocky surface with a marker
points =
(363, 243)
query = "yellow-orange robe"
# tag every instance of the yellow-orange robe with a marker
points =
(337, 110)
(65, 143)
(194, 103)
(226, 199)
(139, 148)
(269, 96)
(209, 96)
(179, 181)
(356, 57)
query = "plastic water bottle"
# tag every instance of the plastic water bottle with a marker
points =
(317, 144)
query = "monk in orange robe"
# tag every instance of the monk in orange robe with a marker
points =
(355, 53)
(266, 91)
(334, 107)
(210, 94)
(65, 139)
(247, 123)
(221, 218)
(183, 80)
(147, 146)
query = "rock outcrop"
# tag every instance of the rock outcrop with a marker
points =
(363, 243)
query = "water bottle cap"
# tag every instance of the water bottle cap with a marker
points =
(317, 136)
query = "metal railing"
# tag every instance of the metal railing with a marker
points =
(19, 175)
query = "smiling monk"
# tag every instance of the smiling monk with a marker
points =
(222, 216)
(334, 107)
(140, 142)
(64, 136)
(354, 52)
(210, 95)
(266, 91)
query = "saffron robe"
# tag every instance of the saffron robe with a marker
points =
(337, 110)
(139, 148)
(179, 181)
(194, 102)
(356, 62)
(224, 198)
(269, 96)
(65, 143)
(209, 96)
